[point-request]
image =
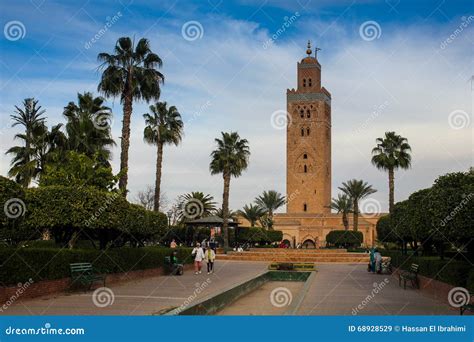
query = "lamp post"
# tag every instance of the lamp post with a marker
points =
(169, 214)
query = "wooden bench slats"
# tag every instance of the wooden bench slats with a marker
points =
(83, 273)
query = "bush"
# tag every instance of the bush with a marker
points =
(46, 264)
(450, 271)
(345, 238)
(258, 235)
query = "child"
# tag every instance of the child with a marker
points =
(210, 257)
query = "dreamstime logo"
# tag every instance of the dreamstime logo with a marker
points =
(378, 110)
(102, 119)
(465, 22)
(110, 21)
(192, 30)
(458, 296)
(288, 21)
(281, 297)
(199, 288)
(14, 208)
(14, 30)
(377, 288)
(21, 289)
(457, 209)
(102, 297)
(459, 119)
(280, 119)
(370, 30)
(193, 208)
(371, 207)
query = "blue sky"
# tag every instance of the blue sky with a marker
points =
(411, 77)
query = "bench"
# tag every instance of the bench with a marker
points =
(173, 267)
(469, 306)
(411, 275)
(83, 273)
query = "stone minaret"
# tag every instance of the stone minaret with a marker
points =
(308, 141)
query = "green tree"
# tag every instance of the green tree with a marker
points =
(230, 158)
(163, 126)
(356, 190)
(131, 73)
(252, 213)
(87, 129)
(270, 201)
(391, 153)
(342, 205)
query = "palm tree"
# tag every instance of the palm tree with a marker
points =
(391, 153)
(233, 215)
(252, 213)
(163, 126)
(356, 190)
(195, 205)
(342, 204)
(24, 167)
(84, 128)
(230, 158)
(270, 201)
(131, 73)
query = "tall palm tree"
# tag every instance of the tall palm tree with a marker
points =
(252, 213)
(163, 126)
(131, 73)
(195, 205)
(233, 215)
(85, 133)
(24, 167)
(270, 201)
(391, 153)
(342, 205)
(356, 190)
(230, 158)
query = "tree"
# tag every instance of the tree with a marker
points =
(146, 198)
(230, 158)
(356, 190)
(270, 201)
(232, 214)
(391, 153)
(342, 204)
(24, 166)
(195, 205)
(252, 213)
(163, 126)
(131, 73)
(86, 127)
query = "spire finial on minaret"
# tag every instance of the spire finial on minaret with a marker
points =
(308, 51)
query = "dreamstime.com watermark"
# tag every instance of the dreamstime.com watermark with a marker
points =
(199, 288)
(14, 208)
(110, 21)
(103, 297)
(288, 21)
(377, 288)
(103, 208)
(457, 209)
(46, 330)
(21, 289)
(280, 297)
(378, 110)
(458, 296)
(465, 22)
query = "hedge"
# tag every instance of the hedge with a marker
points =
(260, 235)
(344, 238)
(19, 265)
(454, 272)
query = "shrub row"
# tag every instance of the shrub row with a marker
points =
(46, 263)
(344, 238)
(454, 272)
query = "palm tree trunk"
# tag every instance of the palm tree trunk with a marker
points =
(391, 189)
(225, 209)
(270, 220)
(125, 143)
(159, 161)
(344, 221)
(356, 215)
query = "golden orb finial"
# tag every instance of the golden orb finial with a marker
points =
(309, 51)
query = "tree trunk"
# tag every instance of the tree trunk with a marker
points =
(125, 143)
(391, 190)
(159, 161)
(356, 215)
(345, 222)
(225, 209)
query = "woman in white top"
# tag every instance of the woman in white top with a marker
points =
(198, 255)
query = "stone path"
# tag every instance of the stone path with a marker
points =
(336, 289)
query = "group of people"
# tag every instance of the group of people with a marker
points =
(201, 254)
(375, 264)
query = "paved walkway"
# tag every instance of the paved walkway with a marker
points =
(336, 289)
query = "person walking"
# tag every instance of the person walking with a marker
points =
(198, 255)
(210, 256)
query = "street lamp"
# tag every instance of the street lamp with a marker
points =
(169, 214)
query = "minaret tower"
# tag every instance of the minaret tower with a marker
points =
(308, 141)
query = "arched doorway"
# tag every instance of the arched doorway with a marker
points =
(308, 244)
(287, 243)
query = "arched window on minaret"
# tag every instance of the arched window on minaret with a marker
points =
(305, 169)
(309, 82)
(305, 207)
(302, 132)
(304, 82)
(308, 114)
(305, 156)
(307, 131)
(302, 113)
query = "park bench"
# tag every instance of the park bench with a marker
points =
(173, 267)
(83, 273)
(387, 266)
(410, 275)
(469, 306)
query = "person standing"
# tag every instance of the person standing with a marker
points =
(173, 244)
(210, 257)
(198, 255)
